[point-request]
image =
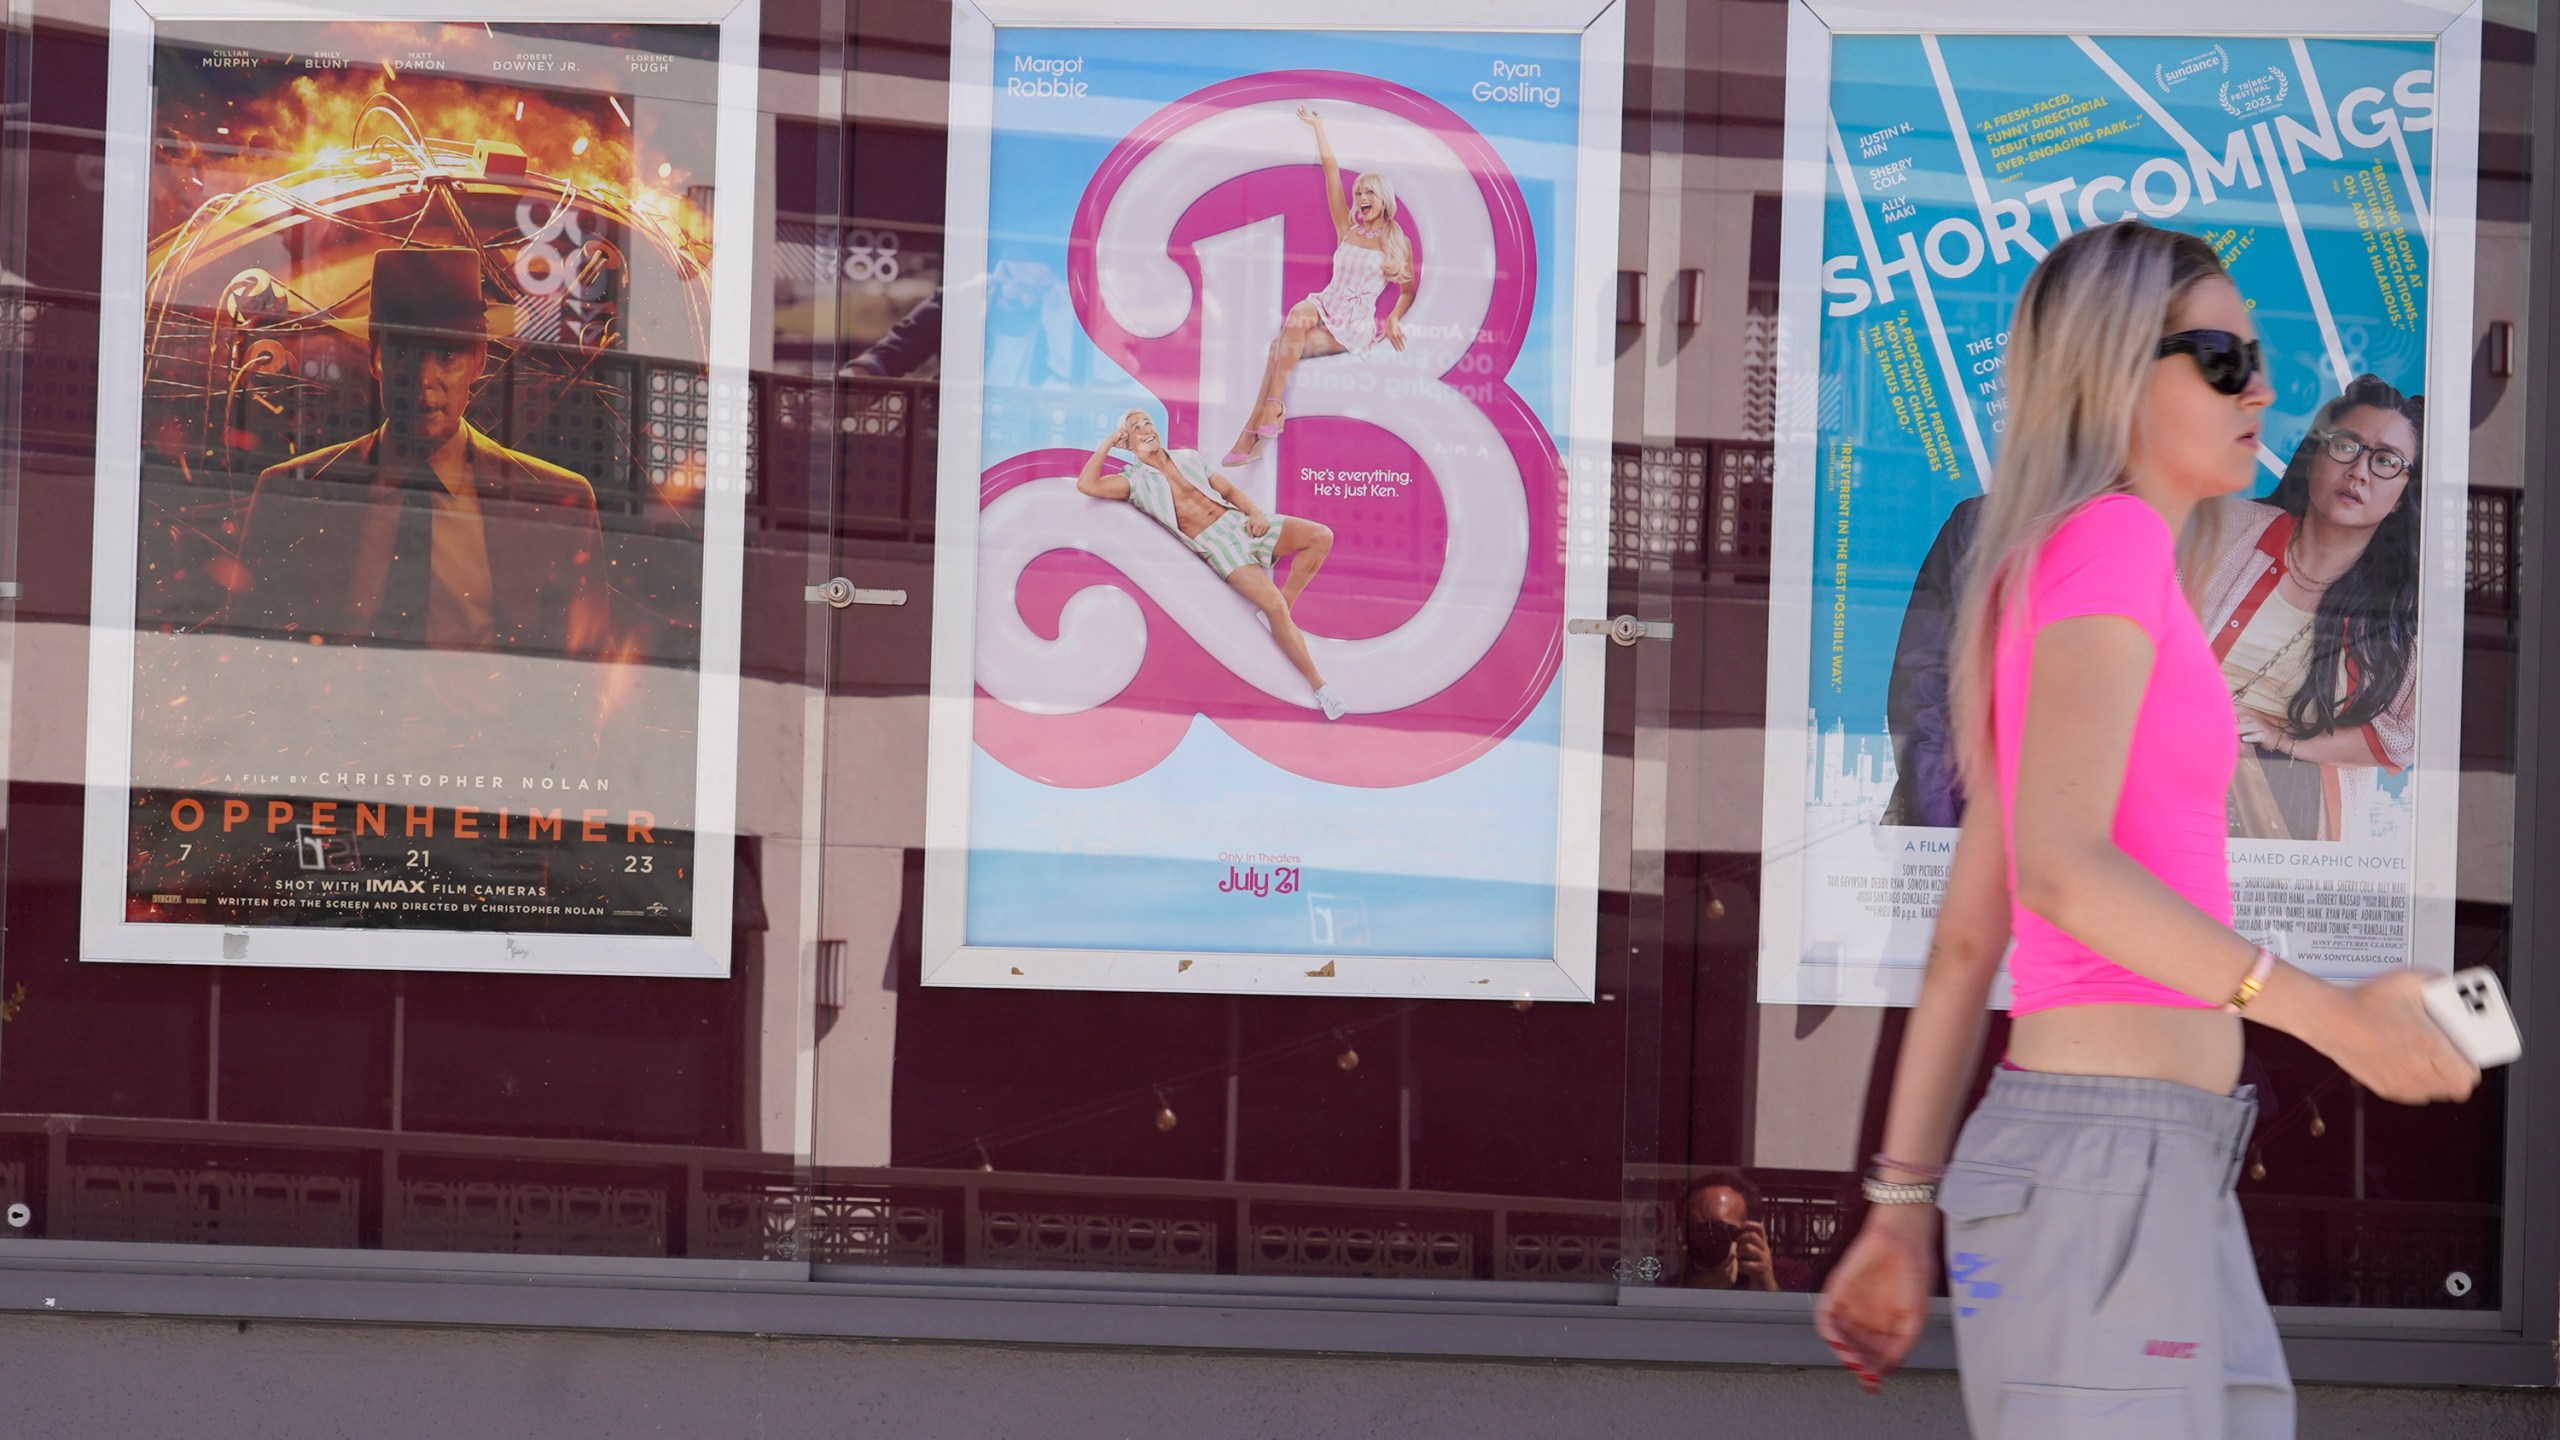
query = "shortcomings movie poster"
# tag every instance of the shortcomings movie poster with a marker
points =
(420, 556)
(2319, 170)
(1264, 655)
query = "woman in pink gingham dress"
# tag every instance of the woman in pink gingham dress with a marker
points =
(1371, 253)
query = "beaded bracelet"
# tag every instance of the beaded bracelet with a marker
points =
(1894, 1192)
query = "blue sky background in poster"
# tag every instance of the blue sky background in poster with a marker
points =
(2044, 117)
(1040, 166)
(1459, 865)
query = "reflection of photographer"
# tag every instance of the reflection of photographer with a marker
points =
(1723, 1242)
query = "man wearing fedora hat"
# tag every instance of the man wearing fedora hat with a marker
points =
(424, 531)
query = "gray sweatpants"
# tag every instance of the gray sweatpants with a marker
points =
(2099, 1271)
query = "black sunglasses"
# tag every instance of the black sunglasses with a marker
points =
(2227, 361)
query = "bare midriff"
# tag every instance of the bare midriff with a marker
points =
(2200, 1048)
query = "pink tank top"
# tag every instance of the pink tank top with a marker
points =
(2115, 556)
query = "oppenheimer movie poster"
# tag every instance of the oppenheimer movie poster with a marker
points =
(1251, 646)
(425, 461)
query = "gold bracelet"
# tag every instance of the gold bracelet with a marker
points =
(2251, 983)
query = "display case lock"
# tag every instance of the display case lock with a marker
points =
(841, 592)
(1624, 629)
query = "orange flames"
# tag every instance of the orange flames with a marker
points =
(320, 122)
(315, 121)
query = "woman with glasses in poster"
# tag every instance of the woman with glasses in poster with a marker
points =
(1371, 252)
(2098, 1267)
(2312, 606)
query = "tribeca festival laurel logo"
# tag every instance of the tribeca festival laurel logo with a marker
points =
(1194, 236)
(2257, 94)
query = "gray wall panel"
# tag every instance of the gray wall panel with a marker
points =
(83, 1376)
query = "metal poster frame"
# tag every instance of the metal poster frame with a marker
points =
(1584, 310)
(1790, 970)
(105, 933)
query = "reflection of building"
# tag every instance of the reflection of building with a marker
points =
(1847, 777)
(2379, 819)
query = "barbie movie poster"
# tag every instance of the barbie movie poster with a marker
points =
(1275, 409)
(2324, 172)
(418, 560)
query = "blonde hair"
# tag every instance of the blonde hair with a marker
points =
(1395, 249)
(2081, 347)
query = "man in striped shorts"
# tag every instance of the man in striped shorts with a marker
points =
(1220, 523)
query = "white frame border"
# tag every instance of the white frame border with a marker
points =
(105, 935)
(1571, 974)
(1783, 977)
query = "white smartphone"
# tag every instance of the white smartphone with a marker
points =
(2471, 1007)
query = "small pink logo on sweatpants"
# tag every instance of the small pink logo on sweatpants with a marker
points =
(2170, 1349)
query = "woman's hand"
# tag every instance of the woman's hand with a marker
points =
(1877, 1300)
(2262, 730)
(1311, 117)
(2381, 1034)
(1395, 332)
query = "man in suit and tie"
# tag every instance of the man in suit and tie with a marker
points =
(425, 531)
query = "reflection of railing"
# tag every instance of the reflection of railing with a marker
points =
(1702, 509)
(207, 1205)
(197, 1182)
(1698, 509)
(887, 435)
(57, 339)
(473, 1215)
(2374, 1253)
(1000, 1220)
(1804, 1213)
(2490, 575)
(642, 427)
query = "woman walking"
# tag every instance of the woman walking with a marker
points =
(2101, 1279)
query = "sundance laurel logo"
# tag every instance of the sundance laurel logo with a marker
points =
(2170, 76)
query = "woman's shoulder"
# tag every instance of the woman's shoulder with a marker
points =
(2114, 523)
(2112, 554)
